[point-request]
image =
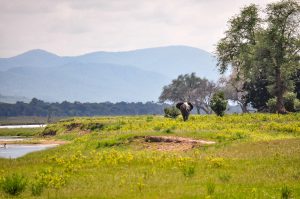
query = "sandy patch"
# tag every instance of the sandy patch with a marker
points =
(172, 143)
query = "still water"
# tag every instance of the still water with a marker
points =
(19, 150)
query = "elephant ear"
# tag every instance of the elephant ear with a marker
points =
(191, 105)
(178, 105)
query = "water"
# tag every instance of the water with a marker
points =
(19, 150)
(23, 126)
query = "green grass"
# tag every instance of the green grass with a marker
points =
(21, 132)
(256, 156)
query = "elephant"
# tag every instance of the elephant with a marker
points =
(185, 109)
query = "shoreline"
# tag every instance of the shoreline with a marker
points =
(42, 141)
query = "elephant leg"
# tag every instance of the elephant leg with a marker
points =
(185, 117)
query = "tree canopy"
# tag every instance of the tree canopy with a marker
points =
(253, 45)
(190, 88)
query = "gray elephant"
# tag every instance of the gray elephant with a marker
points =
(185, 109)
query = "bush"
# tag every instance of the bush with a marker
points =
(272, 105)
(171, 112)
(218, 103)
(289, 99)
(291, 103)
(297, 105)
(14, 184)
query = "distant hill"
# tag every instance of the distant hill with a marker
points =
(137, 75)
(33, 58)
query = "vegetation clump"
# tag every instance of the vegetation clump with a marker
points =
(171, 112)
(14, 185)
(218, 103)
(291, 103)
(286, 192)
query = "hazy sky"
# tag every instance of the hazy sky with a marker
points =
(73, 27)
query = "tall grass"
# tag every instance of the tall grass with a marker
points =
(14, 184)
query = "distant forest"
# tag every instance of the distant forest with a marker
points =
(40, 108)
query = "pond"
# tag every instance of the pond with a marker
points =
(19, 150)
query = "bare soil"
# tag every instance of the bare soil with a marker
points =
(171, 143)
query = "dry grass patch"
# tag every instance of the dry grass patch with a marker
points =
(168, 143)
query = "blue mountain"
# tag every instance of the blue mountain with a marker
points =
(137, 75)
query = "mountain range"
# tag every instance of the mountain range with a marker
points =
(130, 76)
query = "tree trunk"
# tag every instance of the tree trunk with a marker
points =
(198, 110)
(206, 111)
(279, 88)
(244, 107)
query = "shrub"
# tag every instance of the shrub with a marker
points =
(14, 184)
(171, 112)
(218, 103)
(272, 105)
(289, 101)
(297, 105)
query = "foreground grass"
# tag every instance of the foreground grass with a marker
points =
(256, 156)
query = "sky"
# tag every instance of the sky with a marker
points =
(75, 27)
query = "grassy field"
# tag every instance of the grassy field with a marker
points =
(255, 156)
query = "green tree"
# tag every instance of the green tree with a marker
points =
(257, 93)
(272, 44)
(218, 103)
(283, 43)
(190, 88)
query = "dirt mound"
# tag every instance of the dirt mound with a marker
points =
(172, 143)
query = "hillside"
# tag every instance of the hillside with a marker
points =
(101, 76)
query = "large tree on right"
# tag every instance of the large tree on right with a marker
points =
(272, 45)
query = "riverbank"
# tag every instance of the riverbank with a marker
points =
(34, 141)
(25, 132)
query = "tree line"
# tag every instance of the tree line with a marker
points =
(38, 107)
(263, 57)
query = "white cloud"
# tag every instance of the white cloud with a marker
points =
(72, 27)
